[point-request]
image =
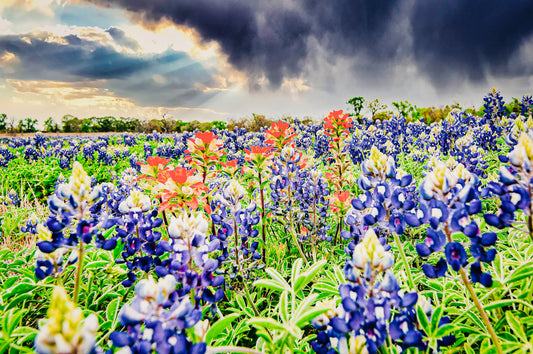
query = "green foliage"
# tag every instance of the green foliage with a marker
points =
(406, 109)
(432, 114)
(50, 126)
(357, 103)
(375, 106)
(513, 107)
(253, 124)
(3, 122)
(27, 125)
(283, 332)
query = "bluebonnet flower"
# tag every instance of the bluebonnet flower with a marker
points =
(5, 155)
(138, 229)
(312, 194)
(235, 230)
(158, 318)
(526, 105)
(65, 330)
(388, 195)
(13, 198)
(452, 197)
(513, 188)
(365, 318)
(31, 225)
(493, 106)
(31, 154)
(70, 209)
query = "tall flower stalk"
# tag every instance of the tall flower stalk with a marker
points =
(259, 158)
(452, 198)
(336, 128)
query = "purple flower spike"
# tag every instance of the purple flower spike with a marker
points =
(455, 255)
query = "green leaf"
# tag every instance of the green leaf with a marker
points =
(108, 232)
(112, 309)
(516, 326)
(313, 270)
(327, 289)
(269, 284)
(423, 320)
(240, 302)
(522, 272)
(445, 330)
(296, 268)
(96, 265)
(307, 316)
(118, 249)
(278, 278)
(303, 307)
(284, 307)
(503, 303)
(468, 349)
(435, 318)
(268, 323)
(219, 326)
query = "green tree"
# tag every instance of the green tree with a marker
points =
(86, 125)
(3, 122)
(219, 124)
(405, 108)
(375, 106)
(513, 107)
(27, 125)
(50, 126)
(71, 124)
(357, 103)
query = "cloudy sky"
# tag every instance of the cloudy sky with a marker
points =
(220, 59)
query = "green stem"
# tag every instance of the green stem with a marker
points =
(481, 311)
(404, 260)
(297, 242)
(293, 233)
(530, 226)
(263, 233)
(78, 273)
(236, 234)
(249, 299)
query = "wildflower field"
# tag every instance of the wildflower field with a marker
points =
(350, 236)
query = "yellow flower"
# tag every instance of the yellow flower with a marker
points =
(43, 233)
(461, 172)
(79, 182)
(439, 180)
(358, 345)
(378, 163)
(371, 250)
(65, 330)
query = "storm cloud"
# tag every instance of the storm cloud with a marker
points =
(278, 39)
(122, 39)
(168, 79)
(69, 58)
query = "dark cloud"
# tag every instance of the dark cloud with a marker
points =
(120, 37)
(470, 38)
(167, 79)
(40, 59)
(167, 84)
(271, 41)
(278, 38)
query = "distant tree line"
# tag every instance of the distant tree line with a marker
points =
(376, 109)
(72, 124)
(258, 121)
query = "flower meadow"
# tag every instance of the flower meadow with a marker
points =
(348, 235)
